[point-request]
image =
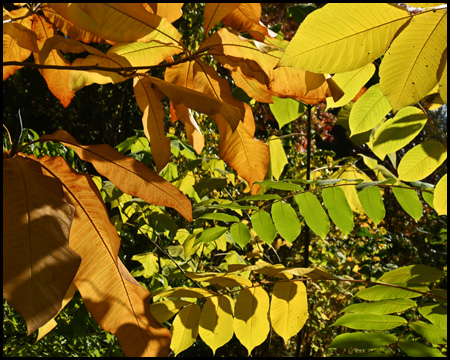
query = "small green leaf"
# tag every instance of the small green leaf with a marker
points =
(263, 225)
(315, 216)
(220, 217)
(417, 349)
(210, 234)
(286, 110)
(277, 157)
(412, 274)
(260, 197)
(380, 292)
(381, 307)
(362, 340)
(280, 185)
(240, 234)
(286, 220)
(421, 161)
(409, 201)
(372, 203)
(370, 321)
(338, 208)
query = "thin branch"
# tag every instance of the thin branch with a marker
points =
(433, 125)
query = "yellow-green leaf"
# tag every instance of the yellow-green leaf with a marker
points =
(277, 157)
(222, 279)
(164, 310)
(315, 216)
(264, 227)
(186, 292)
(351, 83)
(286, 221)
(369, 110)
(286, 110)
(185, 328)
(421, 161)
(372, 203)
(338, 208)
(343, 37)
(409, 200)
(216, 321)
(395, 133)
(443, 83)
(251, 322)
(289, 308)
(440, 196)
(409, 69)
(240, 234)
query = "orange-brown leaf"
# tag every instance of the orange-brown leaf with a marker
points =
(57, 80)
(214, 12)
(112, 296)
(170, 11)
(149, 100)
(193, 133)
(38, 264)
(128, 174)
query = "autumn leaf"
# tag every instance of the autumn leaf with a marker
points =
(38, 264)
(214, 12)
(128, 174)
(111, 294)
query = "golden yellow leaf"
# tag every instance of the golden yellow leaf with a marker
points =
(113, 297)
(57, 80)
(214, 12)
(251, 323)
(216, 321)
(343, 37)
(185, 328)
(443, 81)
(38, 264)
(193, 133)
(186, 292)
(222, 279)
(149, 100)
(247, 18)
(409, 69)
(164, 310)
(289, 308)
(128, 174)
(170, 11)
(440, 196)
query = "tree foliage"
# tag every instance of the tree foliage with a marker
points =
(240, 224)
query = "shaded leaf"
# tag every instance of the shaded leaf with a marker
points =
(185, 328)
(164, 310)
(214, 12)
(38, 264)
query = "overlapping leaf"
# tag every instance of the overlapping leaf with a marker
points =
(214, 12)
(113, 297)
(129, 175)
(185, 328)
(38, 264)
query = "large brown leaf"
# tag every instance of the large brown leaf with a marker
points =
(149, 100)
(214, 12)
(193, 133)
(112, 296)
(38, 264)
(128, 174)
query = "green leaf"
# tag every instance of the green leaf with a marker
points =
(338, 208)
(435, 313)
(409, 201)
(416, 349)
(149, 262)
(280, 185)
(314, 214)
(286, 110)
(260, 197)
(220, 217)
(370, 321)
(381, 307)
(440, 196)
(362, 340)
(207, 185)
(413, 274)
(210, 234)
(240, 234)
(286, 220)
(263, 225)
(395, 133)
(366, 184)
(372, 203)
(368, 111)
(421, 161)
(380, 292)
(433, 333)
(277, 157)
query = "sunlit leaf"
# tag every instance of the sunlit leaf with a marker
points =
(216, 321)
(421, 160)
(264, 227)
(434, 334)
(372, 203)
(131, 176)
(286, 220)
(409, 200)
(412, 274)
(289, 308)
(170, 11)
(186, 292)
(369, 110)
(381, 307)
(362, 340)
(246, 18)
(314, 215)
(409, 69)
(214, 12)
(338, 208)
(277, 157)
(222, 279)
(370, 321)
(440, 196)
(324, 40)
(210, 234)
(164, 310)
(380, 292)
(417, 349)
(240, 234)
(286, 110)
(185, 328)
(251, 323)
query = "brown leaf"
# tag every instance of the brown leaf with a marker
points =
(57, 80)
(193, 133)
(38, 264)
(128, 174)
(214, 12)
(246, 18)
(112, 296)
(170, 11)
(149, 100)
